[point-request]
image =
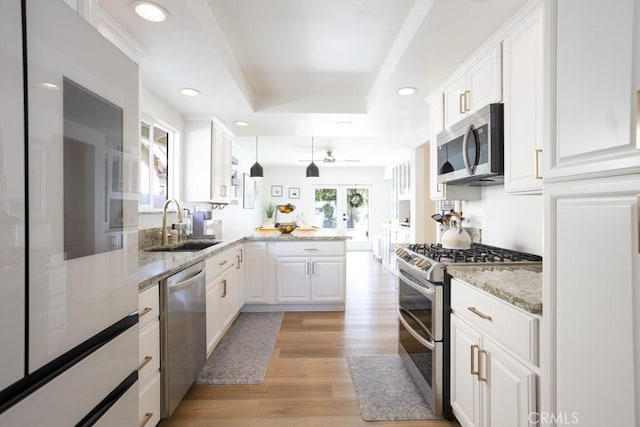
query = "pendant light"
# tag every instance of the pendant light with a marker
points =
(256, 169)
(312, 169)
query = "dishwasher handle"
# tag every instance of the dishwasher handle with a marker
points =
(174, 287)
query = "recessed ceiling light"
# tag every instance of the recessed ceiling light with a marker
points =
(405, 91)
(241, 123)
(150, 11)
(49, 86)
(344, 124)
(187, 91)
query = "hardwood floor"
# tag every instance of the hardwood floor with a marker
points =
(308, 382)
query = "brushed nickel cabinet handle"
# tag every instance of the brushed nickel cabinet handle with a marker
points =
(538, 151)
(313, 268)
(482, 372)
(146, 419)
(224, 288)
(144, 311)
(241, 255)
(239, 261)
(146, 360)
(479, 313)
(461, 103)
(307, 268)
(222, 263)
(474, 371)
(466, 100)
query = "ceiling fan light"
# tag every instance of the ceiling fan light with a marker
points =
(313, 171)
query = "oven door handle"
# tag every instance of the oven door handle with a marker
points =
(429, 293)
(431, 345)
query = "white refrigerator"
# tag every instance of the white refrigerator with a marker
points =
(68, 221)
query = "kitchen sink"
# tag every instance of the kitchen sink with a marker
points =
(184, 247)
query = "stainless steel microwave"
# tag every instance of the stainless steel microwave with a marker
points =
(471, 152)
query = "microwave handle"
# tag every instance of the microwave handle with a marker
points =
(465, 144)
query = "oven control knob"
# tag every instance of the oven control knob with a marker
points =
(400, 252)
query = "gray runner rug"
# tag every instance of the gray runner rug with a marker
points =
(243, 355)
(385, 391)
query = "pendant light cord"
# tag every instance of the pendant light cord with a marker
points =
(256, 148)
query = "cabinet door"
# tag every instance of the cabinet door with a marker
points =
(590, 288)
(255, 260)
(484, 81)
(214, 316)
(523, 93)
(509, 392)
(465, 390)
(327, 279)
(293, 279)
(454, 101)
(238, 278)
(228, 299)
(197, 154)
(595, 102)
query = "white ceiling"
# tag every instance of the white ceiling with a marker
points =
(293, 69)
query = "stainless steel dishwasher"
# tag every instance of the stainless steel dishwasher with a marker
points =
(183, 329)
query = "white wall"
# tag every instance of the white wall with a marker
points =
(512, 222)
(295, 176)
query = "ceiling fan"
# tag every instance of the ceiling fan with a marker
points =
(328, 158)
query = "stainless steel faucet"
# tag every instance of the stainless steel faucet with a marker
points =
(165, 237)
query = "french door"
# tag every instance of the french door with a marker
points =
(345, 209)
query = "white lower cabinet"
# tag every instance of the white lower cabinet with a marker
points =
(225, 293)
(302, 279)
(149, 354)
(214, 317)
(256, 272)
(490, 384)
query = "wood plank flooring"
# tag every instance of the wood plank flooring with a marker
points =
(308, 383)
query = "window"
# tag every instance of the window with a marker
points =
(154, 165)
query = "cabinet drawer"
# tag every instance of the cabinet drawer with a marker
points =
(510, 326)
(218, 264)
(149, 305)
(149, 348)
(149, 409)
(310, 248)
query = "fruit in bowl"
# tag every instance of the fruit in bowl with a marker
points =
(286, 228)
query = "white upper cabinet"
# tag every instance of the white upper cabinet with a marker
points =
(523, 97)
(595, 83)
(479, 85)
(207, 160)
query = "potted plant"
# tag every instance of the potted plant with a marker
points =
(270, 210)
(328, 211)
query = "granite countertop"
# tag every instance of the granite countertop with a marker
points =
(156, 266)
(520, 285)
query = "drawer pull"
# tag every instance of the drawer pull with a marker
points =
(222, 263)
(241, 255)
(466, 100)
(144, 311)
(482, 375)
(146, 419)
(311, 249)
(146, 360)
(224, 288)
(479, 313)
(461, 109)
(474, 371)
(239, 261)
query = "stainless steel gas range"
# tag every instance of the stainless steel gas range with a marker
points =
(424, 304)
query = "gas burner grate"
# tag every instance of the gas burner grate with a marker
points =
(478, 253)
